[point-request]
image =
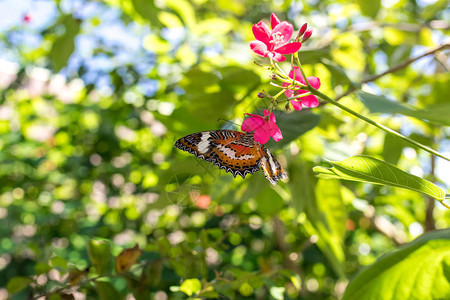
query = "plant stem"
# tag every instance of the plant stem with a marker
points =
(376, 124)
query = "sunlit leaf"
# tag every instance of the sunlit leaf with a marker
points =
(418, 270)
(372, 170)
(185, 10)
(191, 286)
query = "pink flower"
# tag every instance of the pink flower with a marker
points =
(274, 43)
(264, 127)
(309, 101)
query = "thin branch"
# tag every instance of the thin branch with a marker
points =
(393, 69)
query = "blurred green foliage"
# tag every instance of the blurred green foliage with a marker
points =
(87, 172)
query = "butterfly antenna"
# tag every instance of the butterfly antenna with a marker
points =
(228, 121)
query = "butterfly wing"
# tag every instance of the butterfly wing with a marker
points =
(233, 151)
(270, 166)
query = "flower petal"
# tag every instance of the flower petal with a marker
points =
(276, 133)
(277, 56)
(285, 29)
(262, 32)
(314, 82)
(253, 123)
(262, 136)
(298, 75)
(274, 21)
(288, 93)
(310, 101)
(297, 105)
(289, 48)
(272, 119)
(259, 48)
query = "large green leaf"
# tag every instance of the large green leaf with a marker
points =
(418, 270)
(324, 210)
(379, 104)
(106, 290)
(338, 74)
(147, 10)
(99, 253)
(16, 284)
(293, 125)
(269, 201)
(372, 170)
(369, 8)
(64, 45)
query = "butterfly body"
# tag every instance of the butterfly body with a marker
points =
(235, 152)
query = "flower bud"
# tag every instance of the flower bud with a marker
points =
(301, 32)
(307, 35)
(302, 29)
(261, 95)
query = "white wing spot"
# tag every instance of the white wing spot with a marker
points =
(203, 145)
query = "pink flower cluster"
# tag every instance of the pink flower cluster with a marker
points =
(274, 43)
(310, 100)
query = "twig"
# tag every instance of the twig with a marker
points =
(392, 70)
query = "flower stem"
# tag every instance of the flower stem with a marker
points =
(376, 124)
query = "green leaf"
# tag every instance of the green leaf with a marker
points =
(64, 45)
(152, 273)
(100, 255)
(379, 104)
(16, 284)
(147, 10)
(392, 148)
(293, 125)
(338, 74)
(314, 56)
(417, 270)
(106, 290)
(369, 8)
(191, 286)
(372, 170)
(330, 203)
(322, 213)
(269, 201)
(59, 261)
(41, 268)
(235, 79)
(184, 10)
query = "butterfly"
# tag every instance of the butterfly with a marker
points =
(235, 152)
